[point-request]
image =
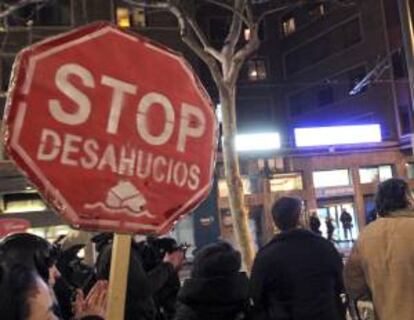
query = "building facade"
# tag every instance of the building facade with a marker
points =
(323, 53)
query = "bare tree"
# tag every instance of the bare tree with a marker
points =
(225, 65)
(8, 9)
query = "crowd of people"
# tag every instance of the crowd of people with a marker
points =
(298, 275)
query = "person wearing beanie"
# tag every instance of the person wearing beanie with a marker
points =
(217, 290)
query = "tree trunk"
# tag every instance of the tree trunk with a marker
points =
(239, 213)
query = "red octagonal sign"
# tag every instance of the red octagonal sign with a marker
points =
(116, 132)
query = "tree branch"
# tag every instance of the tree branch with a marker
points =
(249, 12)
(271, 11)
(203, 39)
(240, 56)
(235, 29)
(191, 42)
(14, 7)
(183, 19)
(230, 8)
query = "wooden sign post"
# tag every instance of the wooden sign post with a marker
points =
(121, 250)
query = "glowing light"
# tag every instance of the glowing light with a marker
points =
(122, 17)
(337, 135)
(258, 141)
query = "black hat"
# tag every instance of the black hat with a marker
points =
(29, 250)
(217, 259)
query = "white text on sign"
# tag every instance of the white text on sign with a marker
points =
(86, 152)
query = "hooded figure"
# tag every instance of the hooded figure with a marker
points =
(217, 290)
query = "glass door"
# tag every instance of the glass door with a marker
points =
(342, 231)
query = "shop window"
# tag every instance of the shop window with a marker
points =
(224, 191)
(286, 182)
(288, 26)
(331, 178)
(256, 70)
(375, 174)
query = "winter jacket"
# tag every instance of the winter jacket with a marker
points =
(297, 276)
(141, 285)
(218, 298)
(166, 297)
(381, 265)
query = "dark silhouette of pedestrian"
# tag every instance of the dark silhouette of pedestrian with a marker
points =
(330, 228)
(298, 274)
(346, 220)
(315, 223)
(217, 290)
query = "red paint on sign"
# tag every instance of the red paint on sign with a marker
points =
(116, 132)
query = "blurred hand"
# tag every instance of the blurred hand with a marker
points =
(176, 258)
(95, 302)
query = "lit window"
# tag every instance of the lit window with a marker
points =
(138, 18)
(289, 26)
(246, 34)
(317, 11)
(375, 174)
(331, 178)
(286, 182)
(123, 17)
(256, 70)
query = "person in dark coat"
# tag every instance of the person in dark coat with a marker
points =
(330, 228)
(346, 220)
(142, 285)
(217, 290)
(298, 274)
(314, 223)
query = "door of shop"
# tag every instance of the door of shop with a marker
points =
(333, 209)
